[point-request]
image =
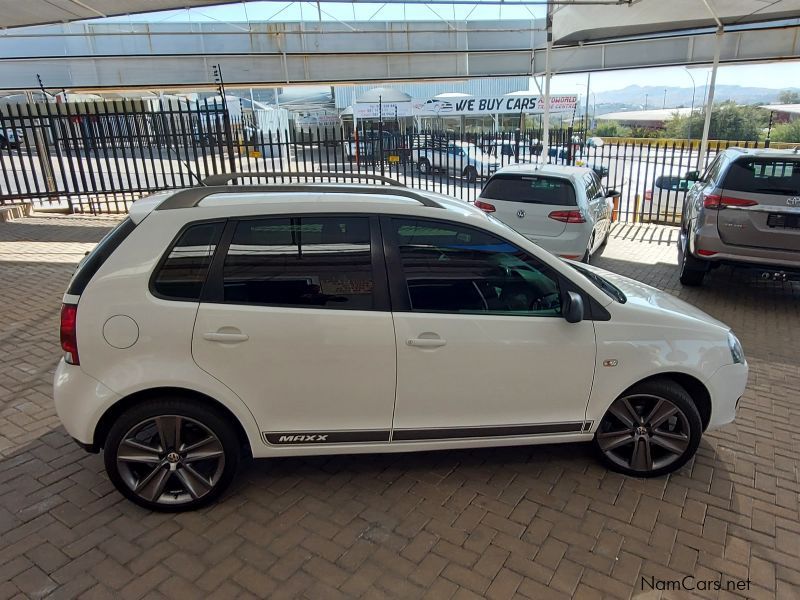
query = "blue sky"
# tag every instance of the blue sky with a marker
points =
(776, 75)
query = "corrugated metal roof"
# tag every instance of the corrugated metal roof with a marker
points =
(793, 109)
(346, 94)
(645, 116)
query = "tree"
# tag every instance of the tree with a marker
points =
(611, 129)
(786, 132)
(789, 97)
(729, 121)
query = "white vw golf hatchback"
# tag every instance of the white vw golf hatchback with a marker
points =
(223, 322)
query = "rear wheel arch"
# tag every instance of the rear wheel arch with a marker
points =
(105, 422)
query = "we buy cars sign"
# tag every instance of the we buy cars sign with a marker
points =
(493, 105)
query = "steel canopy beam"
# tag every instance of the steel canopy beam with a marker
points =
(752, 45)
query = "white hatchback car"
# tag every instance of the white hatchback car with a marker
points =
(223, 322)
(564, 209)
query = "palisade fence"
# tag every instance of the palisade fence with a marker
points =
(99, 157)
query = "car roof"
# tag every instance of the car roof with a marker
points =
(328, 197)
(766, 152)
(540, 169)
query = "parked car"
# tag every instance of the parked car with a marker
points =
(462, 159)
(11, 137)
(595, 142)
(744, 211)
(369, 146)
(213, 325)
(565, 210)
(663, 202)
(507, 151)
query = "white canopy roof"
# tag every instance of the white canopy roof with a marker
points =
(16, 13)
(581, 22)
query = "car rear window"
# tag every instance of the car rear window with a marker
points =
(530, 189)
(764, 176)
(95, 259)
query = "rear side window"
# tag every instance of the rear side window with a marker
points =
(183, 272)
(764, 176)
(95, 259)
(530, 189)
(312, 262)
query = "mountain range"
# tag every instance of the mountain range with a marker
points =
(637, 97)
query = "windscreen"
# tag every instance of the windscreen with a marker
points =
(764, 176)
(531, 189)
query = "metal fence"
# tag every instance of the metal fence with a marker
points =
(98, 157)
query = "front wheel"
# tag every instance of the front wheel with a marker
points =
(424, 166)
(171, 454)
(654, 428)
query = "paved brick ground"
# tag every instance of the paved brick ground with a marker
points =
(543, 522)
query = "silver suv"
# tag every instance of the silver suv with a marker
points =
(743, 211)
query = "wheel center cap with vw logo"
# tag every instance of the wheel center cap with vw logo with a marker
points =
(521, 214)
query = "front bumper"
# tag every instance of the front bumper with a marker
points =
(727, 387)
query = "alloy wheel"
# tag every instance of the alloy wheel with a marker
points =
(644, 432)
(170, 459)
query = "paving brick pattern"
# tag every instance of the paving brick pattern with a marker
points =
(540, 522)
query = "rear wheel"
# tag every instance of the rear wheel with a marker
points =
(171, 454)
(692, 271)
(654, 428)
(587, 256)
(470, 174)
(424, 166)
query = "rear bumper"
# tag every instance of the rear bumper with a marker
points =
(80, 401)
(570, 244)
(707, 239)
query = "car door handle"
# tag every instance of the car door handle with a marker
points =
(426, 342)
(225, 338)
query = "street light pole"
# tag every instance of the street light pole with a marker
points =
(691, 110)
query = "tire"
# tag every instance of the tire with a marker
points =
(692, 271)
(641, 448)
(424, 166)
(587, 256)
(181, 480)
(470, 174)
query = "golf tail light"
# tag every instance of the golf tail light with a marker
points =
(485, 206)
(69, 337)
(567, 216)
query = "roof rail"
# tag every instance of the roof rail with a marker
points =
(191, 197)
(226, 178)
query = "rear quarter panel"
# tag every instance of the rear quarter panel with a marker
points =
(161, 356)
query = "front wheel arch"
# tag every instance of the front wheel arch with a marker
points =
(693, 386)
(115, 410)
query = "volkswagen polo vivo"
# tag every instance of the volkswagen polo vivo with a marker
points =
(223, 322)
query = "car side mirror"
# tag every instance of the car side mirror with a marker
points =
(692, 176)
(572, 307)
(612, 193)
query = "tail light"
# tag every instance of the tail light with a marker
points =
(69, 337)
(717, 202)
(567, 216)
(485, 206)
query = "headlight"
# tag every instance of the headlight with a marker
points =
(737, 353)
